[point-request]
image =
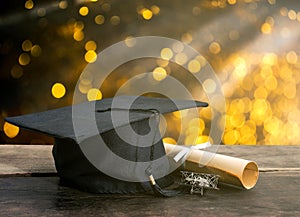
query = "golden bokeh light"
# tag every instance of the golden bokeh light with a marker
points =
(187, 38)
(169, 140)
(63, 4)
(115, 20)
(215, 48)
(147, 14)
(78, 35)
(99, 19)
(16, 71)
(181, 58)
(29, 4)
(266, 28)
(36, 50)
(159, 74)
(155, 9)
(231, 137)
(209, 85)
(231, 2)
(194, 66)
(178, 47)
(24, 59)
(84, 11)
(58, 90)
(26, 45)
(10, 130)
(94, 94)
(292, 14)
(166, 53)
(90, 45)
(292, 57)
(90, 56)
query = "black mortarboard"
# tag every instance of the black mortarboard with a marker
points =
(93, 138)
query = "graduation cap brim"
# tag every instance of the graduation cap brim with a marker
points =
(59, 123)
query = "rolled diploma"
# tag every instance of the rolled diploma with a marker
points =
(232, 170)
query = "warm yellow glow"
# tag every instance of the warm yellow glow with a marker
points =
(240, 70)
(26, 45)
(147, 14)
(10, 130)
(90, 45)
(290, 90)
(63, 4)
(271, 83)
(94, 94)
(181, 58)
(194, 66)
(166, 53)
(206, 113)
(29, 4)
(272, 2)
(292, 14)
(115, 20)
(159, 73)
(36, 50)
(99, 19)
(215, 48)
(16, 71)
(179, 114)
(266, 28)
(169, 140)
(292, 57)
(78, 35)
(90, 56)
(203, 139)
(58, 90)
(24, 59)
(231, 2)
(197, 122)
(237, 120)
(260, 93)
(273, 125)
(79, 25)
(231, 137)
(83, 11)
(155, 9)
(260, 111)
(270, 59)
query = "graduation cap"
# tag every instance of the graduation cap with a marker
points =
(111, 145)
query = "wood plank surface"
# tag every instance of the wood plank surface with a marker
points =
(27, 188)
(23, 159)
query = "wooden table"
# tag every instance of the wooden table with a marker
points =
(29, 186)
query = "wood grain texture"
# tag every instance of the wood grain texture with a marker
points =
(276, 193)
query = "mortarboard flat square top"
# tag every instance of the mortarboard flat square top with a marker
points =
(72, 125)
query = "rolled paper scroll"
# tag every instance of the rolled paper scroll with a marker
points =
(232, 170)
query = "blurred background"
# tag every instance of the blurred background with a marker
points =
(252, 45)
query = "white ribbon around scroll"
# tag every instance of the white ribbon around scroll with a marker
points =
(186, 149)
